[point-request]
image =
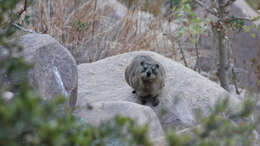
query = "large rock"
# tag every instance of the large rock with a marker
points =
(104, 111)
(184, 92)
(54, 70)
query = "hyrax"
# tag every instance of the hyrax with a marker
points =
(147, 77)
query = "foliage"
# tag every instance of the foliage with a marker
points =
(82, 26)
(189, 23)
(221, 128)
(26, 120)
(217, 21)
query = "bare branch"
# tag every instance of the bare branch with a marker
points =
(24, 9)
(23, 29)
(198, 56)
(211, 11)
(229, 3)
(183, 57)
(93, 25)
(241, 18)
(234, 80)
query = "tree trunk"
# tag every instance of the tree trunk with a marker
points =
(223, 60)
(223, 53)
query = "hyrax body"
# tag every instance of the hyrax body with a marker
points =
(147, 77)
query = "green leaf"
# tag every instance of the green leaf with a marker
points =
(196, 20)
(246, 28)
(181, 31)
(187, 7)
(253, 35)
(27, 20)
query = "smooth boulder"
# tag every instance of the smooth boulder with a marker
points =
(98, 112)
(184, 92)
(54, 70)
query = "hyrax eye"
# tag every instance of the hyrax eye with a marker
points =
(157, 66)
(142, 63)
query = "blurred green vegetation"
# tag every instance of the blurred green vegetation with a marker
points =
(221, 127)
(27, 120)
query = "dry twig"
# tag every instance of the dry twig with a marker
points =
(183, 57)
(24, 9)
(229, 3)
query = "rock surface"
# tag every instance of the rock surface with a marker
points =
(185, 90)
(54, 70)
(103, 111)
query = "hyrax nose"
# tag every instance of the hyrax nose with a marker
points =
(148, 74)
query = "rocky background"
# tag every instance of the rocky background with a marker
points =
(93, 30)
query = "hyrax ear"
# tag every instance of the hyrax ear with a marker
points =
(157, 65)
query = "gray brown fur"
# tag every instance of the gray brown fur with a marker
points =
(147, 77)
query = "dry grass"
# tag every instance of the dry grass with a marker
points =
(97, 29)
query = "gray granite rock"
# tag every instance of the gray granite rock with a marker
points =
(184, 92)
(104, 111)
(54, 70)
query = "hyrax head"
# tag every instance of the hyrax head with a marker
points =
(149, 70)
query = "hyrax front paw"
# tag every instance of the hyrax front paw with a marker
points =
(143, 101)
(155, 102)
